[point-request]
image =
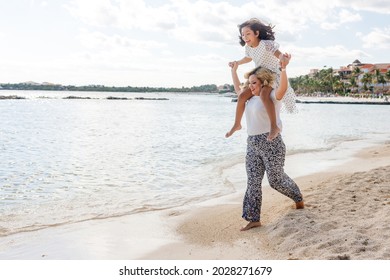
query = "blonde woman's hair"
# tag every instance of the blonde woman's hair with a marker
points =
(266, 76)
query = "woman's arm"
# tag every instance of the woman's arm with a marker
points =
(281, 90)
(236, 80)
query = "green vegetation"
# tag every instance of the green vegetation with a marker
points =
(30, 86)
(326, 81)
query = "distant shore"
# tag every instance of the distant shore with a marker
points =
(300, 99)
(32, 86)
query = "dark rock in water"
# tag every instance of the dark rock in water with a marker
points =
(45, 97)
(149, 98)
(234, 99)
(76, 97)
(11, 97)
(118, 98)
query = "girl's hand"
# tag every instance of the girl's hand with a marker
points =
(233, 65)
(284, 61)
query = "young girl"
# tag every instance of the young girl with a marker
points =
(260, 47)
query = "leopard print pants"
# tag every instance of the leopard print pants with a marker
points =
(262, 156)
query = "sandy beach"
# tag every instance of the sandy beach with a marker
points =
(347, 216)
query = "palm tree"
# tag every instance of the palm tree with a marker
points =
(352, 82)
(306, 84)
(387, 77)
(339, 87)
(378, 77)
(377, 74)
(382, 80)
(297, 84)
(329, 75)
(323, 81)
(356, 73)
(367, 79)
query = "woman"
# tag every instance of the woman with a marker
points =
(263, 155)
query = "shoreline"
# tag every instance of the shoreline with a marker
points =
(119, 95)
(341, 100)
(210, 229)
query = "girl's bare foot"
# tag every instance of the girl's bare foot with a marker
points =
(251, 225)
(234, 129)
(273, 133)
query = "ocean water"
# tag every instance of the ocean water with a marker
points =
(65, 161)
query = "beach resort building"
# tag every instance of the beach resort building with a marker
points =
(370, 78)
(360, 79)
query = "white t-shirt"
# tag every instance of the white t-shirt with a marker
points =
(257, 119)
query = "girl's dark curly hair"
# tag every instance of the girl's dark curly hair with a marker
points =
(265, 31)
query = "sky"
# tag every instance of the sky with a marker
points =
(176, 43)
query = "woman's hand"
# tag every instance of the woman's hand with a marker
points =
(236, 80)
(284, 61)
(233, 65)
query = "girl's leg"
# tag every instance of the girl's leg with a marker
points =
(253, 196)
(242, 98)
(270, 107)
(274, 156)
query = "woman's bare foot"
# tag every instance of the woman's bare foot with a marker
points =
(251, 225)
(234, 129)
(300, 205)
(273, 133)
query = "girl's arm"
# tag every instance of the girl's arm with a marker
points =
(281, 91)
(236, 80)
(244, 60)
(282, 57)
(241, 61)
(277, 54)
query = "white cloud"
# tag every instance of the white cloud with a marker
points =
(344, 16)
(167, 53)
(123, 14)
(316, 54)
(347, 16)
(94, 12)
(118, 56)
(189, 42)
(377, 6)
(215, 22)
(102, 41)
(378, 38)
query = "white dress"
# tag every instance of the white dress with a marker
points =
(263, 55)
